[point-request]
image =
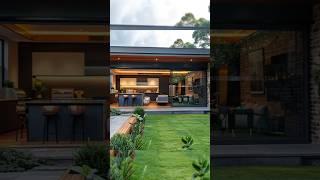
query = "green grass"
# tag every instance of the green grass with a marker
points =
(267, 173)
(163, 157)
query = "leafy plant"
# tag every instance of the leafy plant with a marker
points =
(122, 144)
(121, 169)
(202, 167)
(87, 172)
(12, 160)
(187, 142)
(95, 156)
(39, 87)
(115, 112)
(8, 84)
(138, 142)
(140, 111)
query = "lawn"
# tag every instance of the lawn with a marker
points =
(267, 173)
(163, 157)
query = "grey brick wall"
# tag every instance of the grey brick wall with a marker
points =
(315, 58)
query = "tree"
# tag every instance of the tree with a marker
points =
(180, 44)
(187, 20)
(201, 37)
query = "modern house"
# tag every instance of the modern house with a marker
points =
(159, 77)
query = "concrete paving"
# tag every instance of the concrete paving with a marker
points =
(32, 175)
(116, 122)
(266, 154)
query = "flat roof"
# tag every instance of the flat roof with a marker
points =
(158, 51)
(154, 27)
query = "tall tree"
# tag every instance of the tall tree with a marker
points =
(180, 44)
(201, 37)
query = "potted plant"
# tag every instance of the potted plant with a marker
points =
(8, 90)
(38, 88)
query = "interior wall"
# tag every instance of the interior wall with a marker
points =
(95, 55)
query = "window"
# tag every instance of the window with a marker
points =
(259, 86)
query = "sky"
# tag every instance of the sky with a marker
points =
(153, 12)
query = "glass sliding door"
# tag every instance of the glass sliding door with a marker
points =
(188, 88)
(260, 90)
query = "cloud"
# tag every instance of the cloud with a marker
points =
(153, 12)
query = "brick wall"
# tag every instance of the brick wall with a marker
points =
(315, 58)
(286, 94)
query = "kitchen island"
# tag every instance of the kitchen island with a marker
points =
(130, 99)
(94, 120)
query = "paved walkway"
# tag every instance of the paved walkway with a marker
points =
(32, 175)
(116, 122)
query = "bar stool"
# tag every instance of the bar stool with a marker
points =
(22, 118)
(77, 112)
(50, 112)
(125, 100)
(134, 98)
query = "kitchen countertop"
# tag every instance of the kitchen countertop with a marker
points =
(65, 101)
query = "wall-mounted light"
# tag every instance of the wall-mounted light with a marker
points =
(157, 59)
(191, 60)
(118, 58)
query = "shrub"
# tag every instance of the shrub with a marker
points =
(138, 142)
(139, 111)
(115, 112)
(95, 156)
(12, 161)
(87, 172)
(187, 142)
(121, 169)
(202, 167)
(122, 144)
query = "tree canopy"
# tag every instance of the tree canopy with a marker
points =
(201, 37)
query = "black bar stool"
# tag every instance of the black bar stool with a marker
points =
(50, 112)
(77, 112)
(134, 98)
(22, 119)
(125, 100)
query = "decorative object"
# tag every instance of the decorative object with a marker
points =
(256, 63)
(39, 88)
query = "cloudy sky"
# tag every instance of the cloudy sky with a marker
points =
(153, 12)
